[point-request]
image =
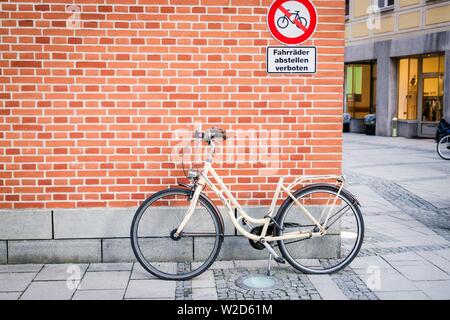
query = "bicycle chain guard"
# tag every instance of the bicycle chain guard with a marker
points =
(257, 231)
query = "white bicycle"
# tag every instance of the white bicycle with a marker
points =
(177, 233)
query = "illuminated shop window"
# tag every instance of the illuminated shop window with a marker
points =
(408, 88)
(360, 89)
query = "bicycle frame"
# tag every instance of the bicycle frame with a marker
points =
(231, 203)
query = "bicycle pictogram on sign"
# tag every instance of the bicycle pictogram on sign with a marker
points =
(292, 21)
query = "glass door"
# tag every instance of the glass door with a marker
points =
(431, 96)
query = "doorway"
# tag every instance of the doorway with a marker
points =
(431, 95)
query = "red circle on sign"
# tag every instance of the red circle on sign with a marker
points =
(287, 40)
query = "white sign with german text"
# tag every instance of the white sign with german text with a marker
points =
(292, 60)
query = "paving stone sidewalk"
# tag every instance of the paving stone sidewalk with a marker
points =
(404, 189)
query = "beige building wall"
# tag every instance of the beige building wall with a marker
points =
(406, 18)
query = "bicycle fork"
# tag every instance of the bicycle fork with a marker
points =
(191, 209)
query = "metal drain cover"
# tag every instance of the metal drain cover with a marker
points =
(258, 282)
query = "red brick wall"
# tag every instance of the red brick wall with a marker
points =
(87, 114)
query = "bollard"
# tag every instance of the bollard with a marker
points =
(394, 127)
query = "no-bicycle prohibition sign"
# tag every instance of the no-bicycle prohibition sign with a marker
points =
(292, 21)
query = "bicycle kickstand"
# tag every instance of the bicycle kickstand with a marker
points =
(269, 266)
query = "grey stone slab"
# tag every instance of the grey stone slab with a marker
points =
(386, 280)
(436, 290)
(251, 264)
(139, 273)
(233, 248)
(48, 290)
(54, 251)
(444, 253)
(25, 224)
(118, 250)
(15, 281)
(110, 267)
(425, 271)
(327, 288)
(435, 191)
(369, 262)
(205, 280)
(3, 252)
(92, 223)
(160, 221)
(155, 249)
(10, 295)
(105, 280)
(222, 265)
(99, 295)
(368, 198)
(238, 248)
(204, 294)
(17, 268)
(403, 256)
(436, 259)
(61, 272)
(215, 265)
(402, 295)
(150, 289)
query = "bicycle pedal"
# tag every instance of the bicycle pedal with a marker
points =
(280, 260)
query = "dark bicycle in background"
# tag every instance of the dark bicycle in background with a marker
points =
(443, 140)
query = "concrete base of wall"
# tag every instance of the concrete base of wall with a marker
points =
(119, 250)
(3, 252)
(102, 235)
(407, 129)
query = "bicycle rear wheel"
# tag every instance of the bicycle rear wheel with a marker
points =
(443, 148)
(345, 230)
(155, 245)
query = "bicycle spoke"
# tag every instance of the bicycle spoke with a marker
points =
(192, 234)
(157, 247)
(338, 246)
(339, 216)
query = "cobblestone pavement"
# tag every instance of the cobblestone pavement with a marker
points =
(404, 189)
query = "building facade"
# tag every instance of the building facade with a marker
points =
(398, 65)
(92, 93)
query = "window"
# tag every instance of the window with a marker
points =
(347, 9)
(360, 89)
(386, 4)
(408, 70)
(433, 88)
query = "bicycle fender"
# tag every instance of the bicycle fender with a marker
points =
(345, 192)
(332, 186)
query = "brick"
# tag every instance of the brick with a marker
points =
(94, 108)
(26, 64)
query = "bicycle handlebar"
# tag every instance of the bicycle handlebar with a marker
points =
(211, 134)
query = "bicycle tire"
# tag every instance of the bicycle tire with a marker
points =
(349, 200)
(215, 215)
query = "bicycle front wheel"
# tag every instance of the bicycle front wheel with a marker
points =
(157, 248)
(345, 230)
(443, 148)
